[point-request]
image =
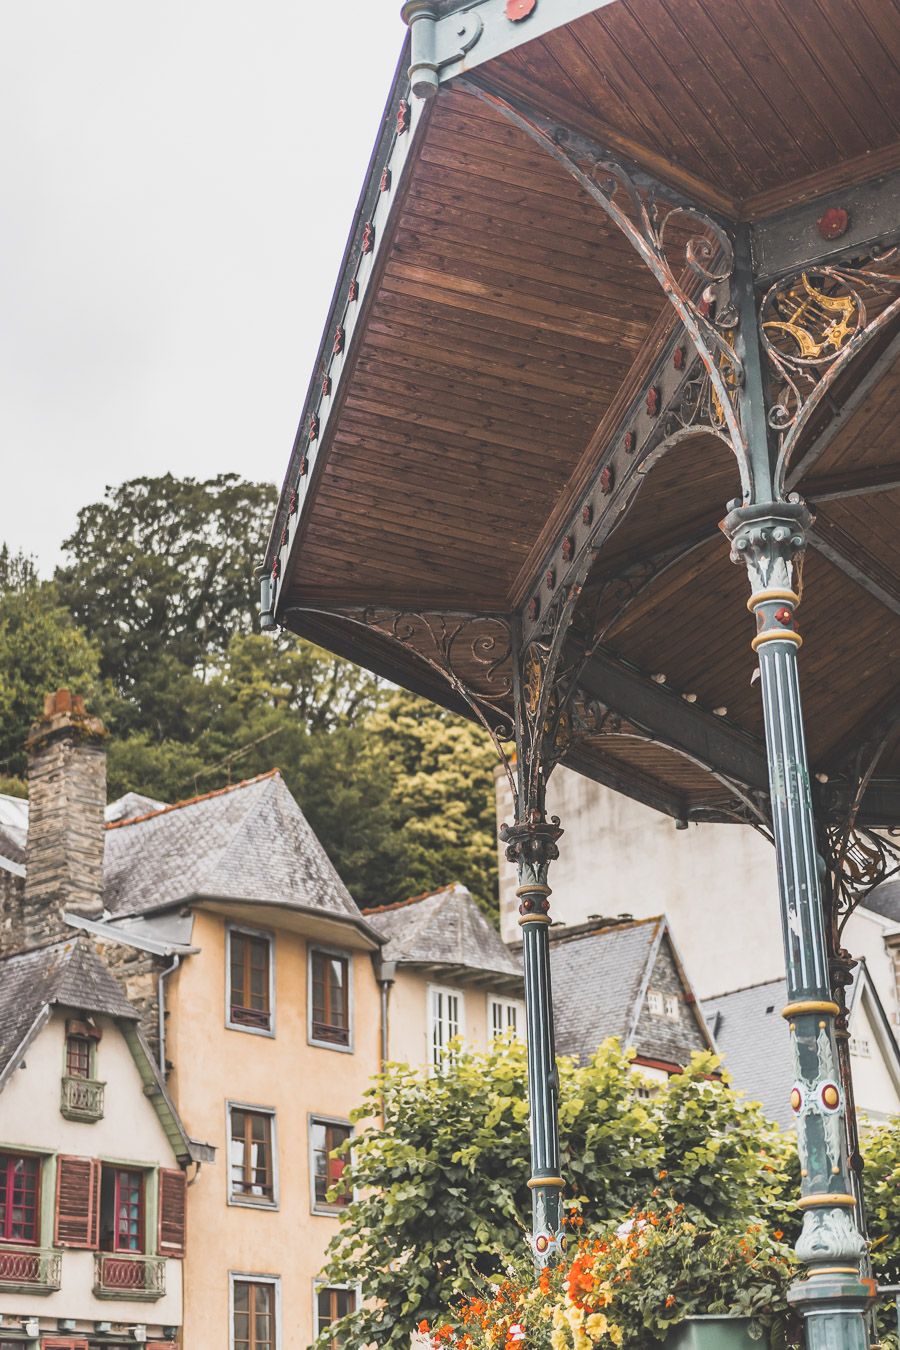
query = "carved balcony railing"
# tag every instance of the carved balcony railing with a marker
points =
(29, 1270)
(81, 1099)
(129, 1276)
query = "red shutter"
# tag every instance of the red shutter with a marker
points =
(56, 1344)
(160, 1345)
(172, 1200)
(77, 1203)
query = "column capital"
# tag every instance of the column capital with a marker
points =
(768, 538)
(531, 845)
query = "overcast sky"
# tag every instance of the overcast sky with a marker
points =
(177, 180)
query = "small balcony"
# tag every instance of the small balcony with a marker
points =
(129, 1276)
(29, 1270)
(81, 1099)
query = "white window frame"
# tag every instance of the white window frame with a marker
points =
(344, 955)
(496, 1001)
(326, 1284)
(253, 1278)
(315, 1206)
(242, 1201)
(655, 1004)
(270, 939)
(672, 1007)
(444, 991)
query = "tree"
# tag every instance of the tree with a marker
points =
(161, 575)
(41, 649)
(441, 1176)
(442, 789)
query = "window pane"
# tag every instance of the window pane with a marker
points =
(78, 1057)
(331, 1305)
(327, 1170)
(250, 1155)
(330, 998)
(18, 1197)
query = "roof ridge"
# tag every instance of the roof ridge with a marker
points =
(743, 988)
(413, 899)
(567, 932)
(191, 801)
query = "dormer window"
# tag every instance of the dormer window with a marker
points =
(81, 1094)
(250, 995)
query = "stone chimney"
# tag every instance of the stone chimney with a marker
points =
(66, 800)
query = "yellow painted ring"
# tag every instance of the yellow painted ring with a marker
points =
(785, 635)
(810, 1006)
(762, 597)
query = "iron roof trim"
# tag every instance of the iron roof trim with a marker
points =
(106, 929)
(378, 160)
(200, 897)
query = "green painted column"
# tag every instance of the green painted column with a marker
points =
(532, 847)
(770, 539)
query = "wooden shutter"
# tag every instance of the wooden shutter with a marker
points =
(77, 1202)
(172, 1216)
(55, 1343)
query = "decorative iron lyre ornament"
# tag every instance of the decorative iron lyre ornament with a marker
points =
(812, 318)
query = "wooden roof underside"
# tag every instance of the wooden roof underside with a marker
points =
(506, 331)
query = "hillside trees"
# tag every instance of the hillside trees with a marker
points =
(153, 618)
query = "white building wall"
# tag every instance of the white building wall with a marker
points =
(129, 1132)
(716, 883)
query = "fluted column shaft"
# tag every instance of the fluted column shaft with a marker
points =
(532, 846)
(769, 539)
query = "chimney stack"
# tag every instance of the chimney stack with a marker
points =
(66, 801)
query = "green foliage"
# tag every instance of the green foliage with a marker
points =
(41, 649)
(881, 1186)
(442, 1177)
(160, 574)
(442, 795)
(164, 567)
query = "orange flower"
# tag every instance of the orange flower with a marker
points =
(424, 1328)
(663, 1174)
(778, 1234)
(670, 1300)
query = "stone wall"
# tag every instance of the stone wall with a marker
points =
(138, 973)
(12, 894)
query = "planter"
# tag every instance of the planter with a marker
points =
(713, 1332)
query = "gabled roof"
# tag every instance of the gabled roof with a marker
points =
(601, 975)
(250, 842)
(130, 805)
(443, 928)
(70, 974)
(753, 1039)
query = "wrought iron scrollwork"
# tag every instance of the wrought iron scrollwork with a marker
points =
(812, 325)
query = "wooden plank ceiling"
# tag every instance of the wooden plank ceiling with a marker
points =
(510, 321)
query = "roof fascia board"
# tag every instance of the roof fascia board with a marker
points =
(16, 1058)
(646, 977)
(695, 1005)
(177, 1135)
(111, 933)
(377, 206)
(8, 865)
(472, 34)
(326, 915)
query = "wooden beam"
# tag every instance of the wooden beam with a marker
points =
(872, 378)
(854, 560)
(857, 483)
(791, 241)
(671, 722)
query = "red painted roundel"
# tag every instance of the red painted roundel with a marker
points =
(517, 10)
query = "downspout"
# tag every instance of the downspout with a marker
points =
(161, 1010)
(385, 973)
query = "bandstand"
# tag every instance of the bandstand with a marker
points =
(612, 359)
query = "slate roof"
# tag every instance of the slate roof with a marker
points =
(443, 928)
(885, 900)
(751, 1034)
(131, 805)
(599, 976)
(68, 974)
(250, 842)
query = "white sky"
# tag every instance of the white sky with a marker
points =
(177, 180)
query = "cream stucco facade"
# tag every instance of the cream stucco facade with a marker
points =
(283, 1073)
(409, 1014)
(129, 1135)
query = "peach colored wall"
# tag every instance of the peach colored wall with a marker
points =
(128, 1132)
(214, 1065)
